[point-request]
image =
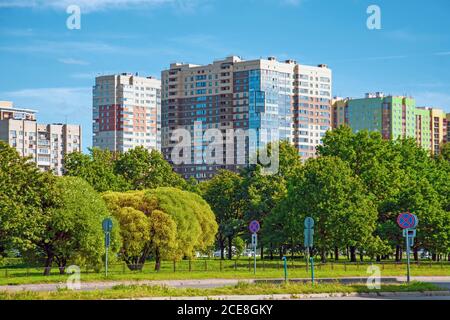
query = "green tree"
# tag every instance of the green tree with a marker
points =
(239, 245)
(144, 169)
(179, 223)
(445, 151)
(262, 192)
(97, 168)
(23, 192)
(70, 230)
(327, 190)
(224, 194)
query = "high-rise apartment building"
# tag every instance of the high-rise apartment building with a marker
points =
(393, 117)
(438, 128)
(46, 144)
(269, 99)
(126, 112)
(448, 127)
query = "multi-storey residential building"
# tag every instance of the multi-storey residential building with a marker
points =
(393, 117)
(448, 127)
(126, 112)
(312, 107)
(46, 144)
(339, 113)
(269, 99)
(438, 128)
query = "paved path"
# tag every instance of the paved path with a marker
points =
(212, 283)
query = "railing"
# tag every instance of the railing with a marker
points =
(203, 265)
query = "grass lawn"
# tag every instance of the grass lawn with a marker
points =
(228, 270)
(124, 292)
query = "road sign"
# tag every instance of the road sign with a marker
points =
(107, 239)
(254, 226)
(309, 223)
(254, 245)
(309, 233)
(407, 221)
(254, 240)
(107, 225)
(409, 233)
(417, 221)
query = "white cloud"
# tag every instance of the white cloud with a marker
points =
(98, 5)
(73, 61)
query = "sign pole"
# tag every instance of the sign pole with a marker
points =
(408, 222)
(311, 258)
(309, 244)
(408, 275)
(307, 258)
(285, 270)
(254, 227)
(106, 256)
(107, 226)
(254, 252)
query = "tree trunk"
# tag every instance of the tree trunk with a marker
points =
(323, 255)
(352, 254)
(336, 253)
(262, 250)
(281, 252)
(157, 261)
(48, 263)
(416, 254)
(62, 266)
(361, 256)
(271, 251)
(378, 258)
(222, 248)
(397, 254)
(230, 248)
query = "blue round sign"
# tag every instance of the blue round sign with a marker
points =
(407, 221)
(107, 225)
(309, 223)
(254, 226)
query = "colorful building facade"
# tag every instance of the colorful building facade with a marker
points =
(126, 112)
(275, 100)
(394, 117)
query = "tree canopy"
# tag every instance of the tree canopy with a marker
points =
(177, 224)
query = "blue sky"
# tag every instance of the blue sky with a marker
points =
(50, 68)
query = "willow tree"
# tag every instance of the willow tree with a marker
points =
(177, 224)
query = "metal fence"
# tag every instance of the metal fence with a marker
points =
(203, 265)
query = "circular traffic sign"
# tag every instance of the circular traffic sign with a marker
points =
(254, 226)
(407, 220)
(309, 223)
(417, 221)
(107, 225)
